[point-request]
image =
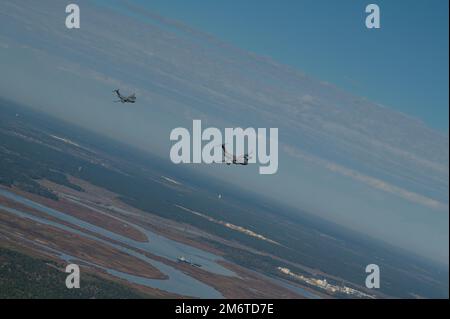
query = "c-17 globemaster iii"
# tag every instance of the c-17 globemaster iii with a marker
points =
(125, 99)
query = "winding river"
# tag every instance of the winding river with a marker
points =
(178, 282)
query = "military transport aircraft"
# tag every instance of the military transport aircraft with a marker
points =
(125, 99)
(233, 159)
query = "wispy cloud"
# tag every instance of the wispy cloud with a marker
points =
(368, 180)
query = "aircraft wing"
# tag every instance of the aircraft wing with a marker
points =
(226, 154)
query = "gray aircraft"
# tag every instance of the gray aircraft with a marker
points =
(125, 99)
(233, 159)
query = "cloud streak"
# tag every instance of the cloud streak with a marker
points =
(368, 180)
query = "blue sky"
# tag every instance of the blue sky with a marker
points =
(403, 66)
